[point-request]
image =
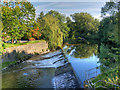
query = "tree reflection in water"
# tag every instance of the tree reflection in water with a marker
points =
(83, 50)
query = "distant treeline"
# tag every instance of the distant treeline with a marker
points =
(18, 19)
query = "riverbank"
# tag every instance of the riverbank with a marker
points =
(17, 54)
(64, 76)
(9, 64)
(8, 45)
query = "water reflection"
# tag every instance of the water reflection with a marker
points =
(46, 71)
(82, 58)
(82, 50)
(32, 78)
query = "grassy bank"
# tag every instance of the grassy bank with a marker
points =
(19, 56)
(7, 45)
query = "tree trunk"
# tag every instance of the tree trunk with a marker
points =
(12, 41)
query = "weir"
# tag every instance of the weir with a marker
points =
(46, 73)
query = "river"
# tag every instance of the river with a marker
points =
(83, 57)
(53, 71)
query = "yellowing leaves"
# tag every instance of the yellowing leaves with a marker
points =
(17, 7)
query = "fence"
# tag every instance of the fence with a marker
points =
(90, 72)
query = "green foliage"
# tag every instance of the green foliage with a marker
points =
(108, 29)
(60, 22)
(84, 26)
(108, 34)
(109, 51)
(1, 48)
(110, 8)
(52, 32)
(51, 28)
(36, 53)
(17, 18)
(109, 77)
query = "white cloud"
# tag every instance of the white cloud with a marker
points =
(65, 8)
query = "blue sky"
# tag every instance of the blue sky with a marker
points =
(67, 8)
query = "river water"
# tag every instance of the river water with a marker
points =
(83, 57)
(37, 73)
(51, 72)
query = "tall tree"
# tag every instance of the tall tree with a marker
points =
(18, 19)
(62, 24)
(51, 31)
(84, 25)
(109, 51)
(110, 8)
(109, 33)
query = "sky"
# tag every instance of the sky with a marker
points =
(67, 8)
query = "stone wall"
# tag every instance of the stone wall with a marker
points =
(23, 51)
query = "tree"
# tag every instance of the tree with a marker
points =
(41, 15)
(68, 20)
(18, 19)
(109, 35)
(48, 26)
(84, 25)
(109, 51)
(109, 38)
(51, 31)
(110, 8)
(10, 21)
(62, 24)
(36, 33)
(28, 17)
(41, 24)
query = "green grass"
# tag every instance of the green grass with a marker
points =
(7, 45)
(6, 64)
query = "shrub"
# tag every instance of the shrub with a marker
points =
(30, 39)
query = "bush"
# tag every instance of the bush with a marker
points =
(31, 39)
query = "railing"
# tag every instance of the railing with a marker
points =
(93, 85)
(89, 72)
